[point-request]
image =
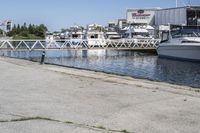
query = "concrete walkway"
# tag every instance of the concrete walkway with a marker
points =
(52, 99)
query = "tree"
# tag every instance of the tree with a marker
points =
(1, 31)
(14, 30)
(32, 31)
(41, 30)
(18, 29)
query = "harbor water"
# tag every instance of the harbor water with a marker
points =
(129, 63)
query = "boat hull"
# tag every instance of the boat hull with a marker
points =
(181, 52)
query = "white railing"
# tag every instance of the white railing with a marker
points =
(79, 44)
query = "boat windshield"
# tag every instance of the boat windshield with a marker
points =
(178, 34)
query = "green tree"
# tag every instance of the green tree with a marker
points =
(18, 29)
(41, 30)
(1, 31)
(32, 31)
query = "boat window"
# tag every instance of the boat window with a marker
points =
(181, 34)
(94, 36)
(75, 36)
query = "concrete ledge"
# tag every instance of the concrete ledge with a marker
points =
(32, 95)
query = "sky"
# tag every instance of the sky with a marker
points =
(57, 14)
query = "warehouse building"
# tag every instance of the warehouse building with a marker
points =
(181, 16)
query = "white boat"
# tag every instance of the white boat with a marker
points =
(113, 35)
(184, 48)
(95, 35)
(136, 32)
(95, 38)
(76, 37)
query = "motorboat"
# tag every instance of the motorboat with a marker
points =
(95, 38)
(182, 47)
(95, 35)
(134, 32)
(76, 35)
(112, 35)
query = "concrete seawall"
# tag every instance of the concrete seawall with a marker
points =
(45, 98)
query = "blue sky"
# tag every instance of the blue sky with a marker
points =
(57, 14)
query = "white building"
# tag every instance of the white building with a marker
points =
(122, 23)
(141, 16)
(6, 25)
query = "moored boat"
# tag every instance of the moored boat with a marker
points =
(183, 48)
(95, 35)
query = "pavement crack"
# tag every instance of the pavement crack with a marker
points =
(91, 127)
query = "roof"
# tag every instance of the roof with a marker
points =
(187, 7)
(146, 9)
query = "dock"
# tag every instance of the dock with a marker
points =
(73, 44)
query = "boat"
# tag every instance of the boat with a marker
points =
(113, 35)
(95, 35)
(76, 35)
(95, 38)
(136, 32)
(182, 48)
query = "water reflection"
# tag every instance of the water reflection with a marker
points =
(136, 64)
(178, 72)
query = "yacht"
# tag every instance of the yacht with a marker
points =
(112, 35)
(76, 35)
(95, 35)
(135, 32)
(95, 38)
(182, 47)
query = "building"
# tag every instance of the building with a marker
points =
(9, 25)
(112, 25)
(141, 16)
(6, 25)
(122, 23)
(179, 16)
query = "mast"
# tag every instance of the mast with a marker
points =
(176, 3)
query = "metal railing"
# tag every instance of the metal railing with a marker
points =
(31, 45)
